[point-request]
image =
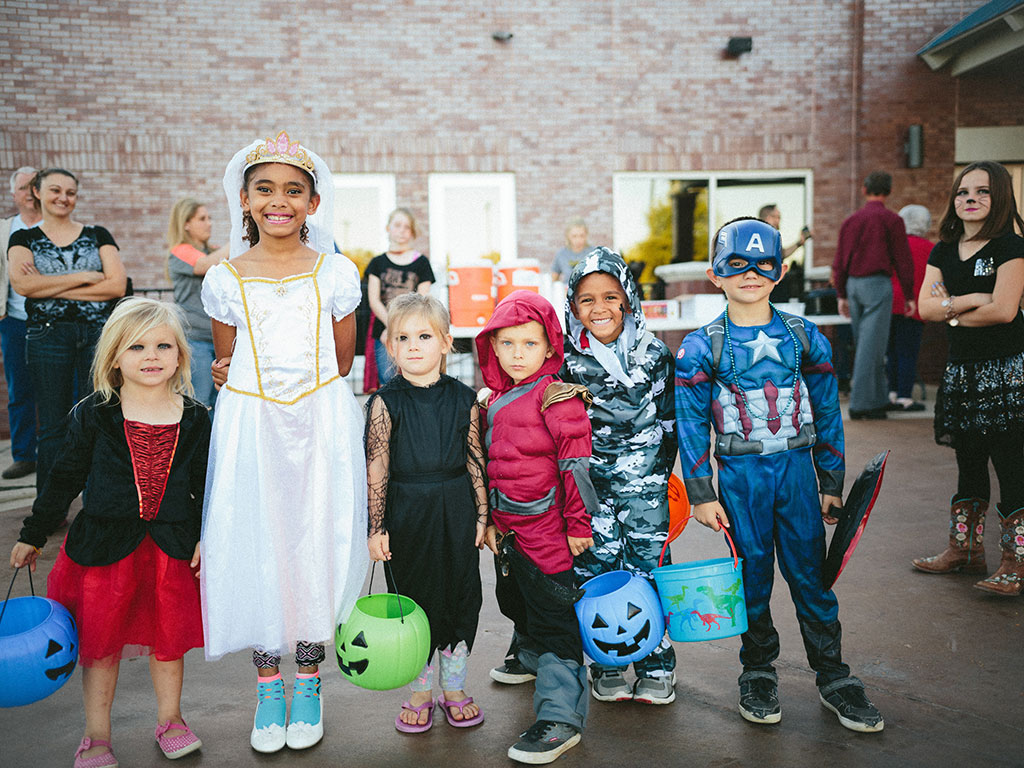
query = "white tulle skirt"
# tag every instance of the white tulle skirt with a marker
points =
(284, 521)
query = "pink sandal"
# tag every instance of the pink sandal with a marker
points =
(104, 760)
(180, 744)
(416, 727)
(465, 722)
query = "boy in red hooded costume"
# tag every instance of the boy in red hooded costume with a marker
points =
(538, 452)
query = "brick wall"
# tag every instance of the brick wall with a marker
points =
(148, 100)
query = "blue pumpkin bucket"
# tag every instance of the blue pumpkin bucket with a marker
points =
(38, 648)
(703, 600)
(620, 618)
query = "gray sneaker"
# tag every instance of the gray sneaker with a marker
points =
(655, 690)
(544, 742)
(611, 686)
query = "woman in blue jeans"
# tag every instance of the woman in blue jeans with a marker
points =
(70, 274)
(188, 237)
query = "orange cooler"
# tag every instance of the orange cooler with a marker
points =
(470, 300)
(520, 275)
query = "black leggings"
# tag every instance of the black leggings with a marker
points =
(1006, 452)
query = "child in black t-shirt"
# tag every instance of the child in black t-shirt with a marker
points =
(973, 282)
(399, 270)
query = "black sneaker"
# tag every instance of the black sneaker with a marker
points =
(544, 742)
(19, 469)
(847, 699)
(759, 698)
(512, 673)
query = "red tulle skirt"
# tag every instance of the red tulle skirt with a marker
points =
(146, 603)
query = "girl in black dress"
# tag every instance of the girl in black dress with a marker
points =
(973, 282)
(428, 501)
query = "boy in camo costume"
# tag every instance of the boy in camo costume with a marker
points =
(629, 372)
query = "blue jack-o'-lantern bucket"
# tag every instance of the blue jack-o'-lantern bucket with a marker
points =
(703, 600)
(38, 648)
(620, 619)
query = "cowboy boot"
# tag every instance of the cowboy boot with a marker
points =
(1009, 579)
(966, 551)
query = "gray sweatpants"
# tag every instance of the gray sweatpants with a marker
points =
(560, 692)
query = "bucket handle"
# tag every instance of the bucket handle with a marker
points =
(369, 589)
(7, 599)
(732, 546)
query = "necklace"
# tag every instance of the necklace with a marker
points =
(735, 374)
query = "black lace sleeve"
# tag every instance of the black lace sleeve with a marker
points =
(476, 465)
(377, 439)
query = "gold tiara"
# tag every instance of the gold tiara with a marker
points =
(281, 150)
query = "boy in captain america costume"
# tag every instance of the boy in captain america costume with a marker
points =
(764, 379)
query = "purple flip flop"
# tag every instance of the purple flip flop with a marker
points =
(416, 727)
(447, 706)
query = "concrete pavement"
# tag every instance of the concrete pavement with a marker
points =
(943, 661)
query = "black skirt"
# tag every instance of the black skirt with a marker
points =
(980, 398)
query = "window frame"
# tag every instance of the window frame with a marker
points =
(387, 187)
(696, 270)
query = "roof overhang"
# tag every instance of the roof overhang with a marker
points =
(993, 31)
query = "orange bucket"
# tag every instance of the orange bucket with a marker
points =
(520, 275)
(470, 300)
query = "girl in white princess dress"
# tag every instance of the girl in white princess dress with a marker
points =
(285, 514)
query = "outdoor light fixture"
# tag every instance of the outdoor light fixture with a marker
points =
(502, 35)
(739, 45)
(914, 148)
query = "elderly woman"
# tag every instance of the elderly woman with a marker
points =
(70, 274)
(905, 330)
(188, 237)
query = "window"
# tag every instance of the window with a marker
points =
(670, 218)
(472, 216)
(362, 202)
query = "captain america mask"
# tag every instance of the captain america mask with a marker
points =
(752, 241)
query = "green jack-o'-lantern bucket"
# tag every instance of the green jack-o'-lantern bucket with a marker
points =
(38, 648)
(384, 643)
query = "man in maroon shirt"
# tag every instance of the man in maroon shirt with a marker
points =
(872, 246)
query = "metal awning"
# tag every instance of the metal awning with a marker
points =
(993, 31)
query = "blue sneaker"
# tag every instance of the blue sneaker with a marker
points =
(268, 734)
(306, 724)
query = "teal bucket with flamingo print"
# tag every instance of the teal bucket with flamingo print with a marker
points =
(703, 600)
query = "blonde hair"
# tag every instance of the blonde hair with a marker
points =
(572, 224)
(418, 305)
(132, 319)
(181, 213)
(412, 224)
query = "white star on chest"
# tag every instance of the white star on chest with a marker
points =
(763, 346)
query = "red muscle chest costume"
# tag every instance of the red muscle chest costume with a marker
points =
(537, 461)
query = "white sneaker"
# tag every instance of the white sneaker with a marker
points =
(270, 711)
(270, 738)
(306, 724)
